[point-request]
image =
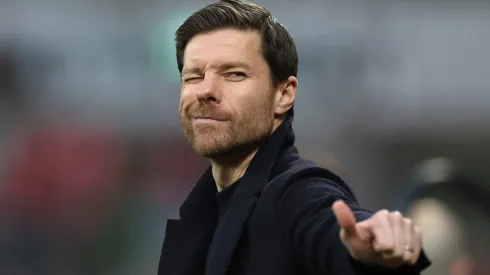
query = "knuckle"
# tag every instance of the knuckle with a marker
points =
(382, 212)
(397, 215)
(381, 215)
(407, 222)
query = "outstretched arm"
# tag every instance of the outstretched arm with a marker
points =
(344, 238)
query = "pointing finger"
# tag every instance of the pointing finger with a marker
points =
(345, 218)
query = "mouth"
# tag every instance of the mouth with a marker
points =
(206, 121)
(203, 118)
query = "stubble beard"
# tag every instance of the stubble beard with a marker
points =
(242, 133)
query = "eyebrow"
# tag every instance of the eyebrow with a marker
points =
(224, 66)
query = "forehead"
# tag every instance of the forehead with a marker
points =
(223, 45)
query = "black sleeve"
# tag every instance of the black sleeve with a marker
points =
(305, 214)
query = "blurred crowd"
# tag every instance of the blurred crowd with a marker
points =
(451, 207)
(78, 198)
(92, 161)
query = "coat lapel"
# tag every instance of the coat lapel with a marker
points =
(234, 222)
(187, 240)
(185, 247)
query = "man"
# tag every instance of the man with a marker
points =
(260, 208)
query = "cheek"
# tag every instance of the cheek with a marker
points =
(186, 99)
(251, 99)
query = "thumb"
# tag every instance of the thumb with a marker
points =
(345, 218)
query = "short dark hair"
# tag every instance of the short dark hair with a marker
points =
(278, 47)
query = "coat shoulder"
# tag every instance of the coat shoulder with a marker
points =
(302, 170)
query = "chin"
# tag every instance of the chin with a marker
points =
(211, 152)
(209, 149)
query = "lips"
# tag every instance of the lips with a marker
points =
(207, 113)
(209, 118)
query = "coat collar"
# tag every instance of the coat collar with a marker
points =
(187, 240)
(233, 224)
(252, 183)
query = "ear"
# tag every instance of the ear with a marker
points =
(285, 96)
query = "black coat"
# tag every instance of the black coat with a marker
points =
(279, 221)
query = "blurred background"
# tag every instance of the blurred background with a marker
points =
(93, 162)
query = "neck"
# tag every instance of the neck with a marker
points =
(229, 169)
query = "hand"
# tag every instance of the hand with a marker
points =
(386, 239)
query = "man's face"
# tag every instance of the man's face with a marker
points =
(226, 102)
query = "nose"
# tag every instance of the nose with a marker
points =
(209, 90)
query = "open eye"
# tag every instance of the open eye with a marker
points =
(236, 76)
